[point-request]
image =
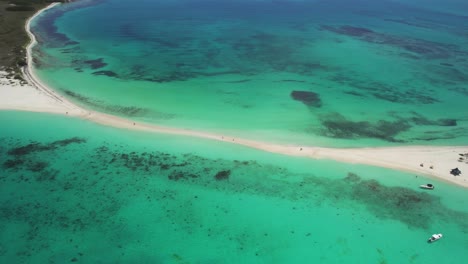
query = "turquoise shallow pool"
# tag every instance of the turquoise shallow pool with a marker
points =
(73, 191)
(330, 73)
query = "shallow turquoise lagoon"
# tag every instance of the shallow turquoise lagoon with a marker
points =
(330, 73)
(74, 191)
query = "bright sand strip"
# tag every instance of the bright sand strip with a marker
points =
(436, 161)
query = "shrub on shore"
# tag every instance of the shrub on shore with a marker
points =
(21, 62)
(13, 37)
(25, 5)
(20, 8)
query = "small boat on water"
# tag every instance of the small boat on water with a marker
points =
(434, 238)
(427, 186)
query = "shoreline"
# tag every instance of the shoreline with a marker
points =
(41, 98)
(28, 72)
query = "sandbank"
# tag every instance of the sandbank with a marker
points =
(433, 161)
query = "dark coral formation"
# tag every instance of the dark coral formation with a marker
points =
(262, 51)
(89, 195)
(446, 64)
(96, 64)
(47, 32)
(421, 120)
(222, 175)
(424, 48)
(240, 81)
(77, 96)
(400, 199)
(106, 73)
(179, 175)
(384, 91)
(446, 122)
(269, 51)
(441, 135)
(450, 73)
(38, 166)
(130, 111)
(38, 147)
(337, 126)
(354, 93)
(406, 22)
(308, 98)
(20, 157)
(13, 163)
(292, 81)
(349, 30)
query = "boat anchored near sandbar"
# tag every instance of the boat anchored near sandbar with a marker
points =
(427, 186)
(434, 238)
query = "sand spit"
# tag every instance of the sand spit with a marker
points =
(434, 161)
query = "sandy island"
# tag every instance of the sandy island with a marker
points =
(433, 161)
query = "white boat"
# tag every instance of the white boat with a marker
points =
(427, 186)
(434, 238)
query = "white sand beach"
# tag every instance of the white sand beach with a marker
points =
(434, 161)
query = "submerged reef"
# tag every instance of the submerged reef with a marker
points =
(129, 111)
(49, 34)
(420, 47)
(76, 189)
(420, 120)
(308, 98)
(222, 175)
(114, 163)
(382, 91)
(46, 31)
(38, 147)
(249, 54)
(266, 51)
(106, 73)
(336, 125)
(398, 198)
(96, 63)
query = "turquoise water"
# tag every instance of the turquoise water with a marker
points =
(91, 194)
(329, 73)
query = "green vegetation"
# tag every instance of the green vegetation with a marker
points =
(13, 37)
(20, 8)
